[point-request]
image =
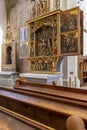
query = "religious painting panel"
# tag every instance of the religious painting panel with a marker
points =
(69, 20)
(23, 34)
(69, 43)
(23, 49)
(70, 32)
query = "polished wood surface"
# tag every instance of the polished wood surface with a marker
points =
(47, 104)
(14, 121)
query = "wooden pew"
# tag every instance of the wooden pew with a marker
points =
(75, 123)
(49, 105)
(13, 121)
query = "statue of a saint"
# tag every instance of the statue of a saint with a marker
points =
(57, 4)
(9, 35)
(33, 8)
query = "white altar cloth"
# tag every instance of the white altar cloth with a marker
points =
(8, 79)
(43, 78)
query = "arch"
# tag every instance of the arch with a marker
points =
(9, 55)
(58, 67)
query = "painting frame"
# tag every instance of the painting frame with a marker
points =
(70, 25)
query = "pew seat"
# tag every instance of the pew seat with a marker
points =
(47, 104)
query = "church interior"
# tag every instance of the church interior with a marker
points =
(43, 65)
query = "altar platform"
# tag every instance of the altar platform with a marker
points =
(8, 78)
(43, 78)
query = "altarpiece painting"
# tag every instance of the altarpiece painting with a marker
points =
(54, 35)
(69, 43)
(43, 43)
(70, 31)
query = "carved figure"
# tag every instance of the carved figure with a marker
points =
(33, 8)
(57, 4)
(39, 9)
(54, 49)
(9, 34)
(44, 6)
(31, 51)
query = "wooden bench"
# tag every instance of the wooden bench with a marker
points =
(49, 105)
(14, 121)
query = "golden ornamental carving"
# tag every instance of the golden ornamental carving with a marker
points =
(52, 37)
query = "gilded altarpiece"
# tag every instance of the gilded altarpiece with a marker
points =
(70, 31)
(53, 36)
(39, 7)
(43, 43)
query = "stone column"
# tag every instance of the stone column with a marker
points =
(2, 26)
(63, 4)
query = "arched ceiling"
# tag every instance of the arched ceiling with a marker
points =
(10, 3)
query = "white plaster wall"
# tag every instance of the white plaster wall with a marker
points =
(85, 44)
(63, 4)
(83, 6)
(51, 5)
(71, 3)
(72, 60)
(18, 16)
(2, 25)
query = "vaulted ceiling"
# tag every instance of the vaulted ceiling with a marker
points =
(10, 3)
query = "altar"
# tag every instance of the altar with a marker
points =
(8, 79)
(43, 78)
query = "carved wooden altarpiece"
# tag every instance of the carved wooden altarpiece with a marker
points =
(39, 7)
(53, 36)
(9, 52)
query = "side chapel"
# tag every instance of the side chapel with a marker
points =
(49, 35)
(32, 53)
